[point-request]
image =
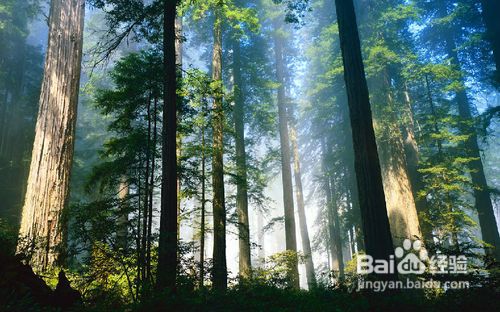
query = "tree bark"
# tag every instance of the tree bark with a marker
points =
(167, 249)
(412, 154)
(245, 265)
(378, 240)
(286, 173)
(48, 181)
(219, 278)
(402, 212)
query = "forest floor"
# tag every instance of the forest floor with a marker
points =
(21, 290)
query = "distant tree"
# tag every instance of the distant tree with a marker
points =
(21, 73)
(299, 196)
(241, 164)
(286, 173)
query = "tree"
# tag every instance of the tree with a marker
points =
(125, 176)
(167, 250)
(286, 173)
(376, 228)
(484, 207)
(245, 264)
(445, 35)
(219, 279)
(299, 195)
(48, 181)
(385, 25)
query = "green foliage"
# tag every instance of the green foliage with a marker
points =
(296, 10)
(276, 270)
(109, 278)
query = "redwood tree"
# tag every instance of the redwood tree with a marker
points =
(167, 249)
(48, 181)
(241, 167)
(286, 173)
(376, 228)
(219, 278)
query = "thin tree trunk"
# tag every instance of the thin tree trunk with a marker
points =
(203, 203)
(151, 189)
(299, 195)
(167, 249)
(376, 229)
(122, 222)
(436, 130)
(286, 173)
(145, 212)
(178, 55)
(354, 199)
(260, 239)
(48, 182)
(219, 278)
(336, 227)
(245, 265)
(138, 236)
(352, 244)
(335, 242)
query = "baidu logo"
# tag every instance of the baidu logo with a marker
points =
(411, 263)
(412, 258)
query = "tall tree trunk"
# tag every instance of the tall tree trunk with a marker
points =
(378, 240)
(48, 181)
(286, 173)
(490, 9)
(219, 278)
(151, 188)
(245, 265)
(167, 249)
(402, 212)
(412, 161)
(483, 205)
(299, 195)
